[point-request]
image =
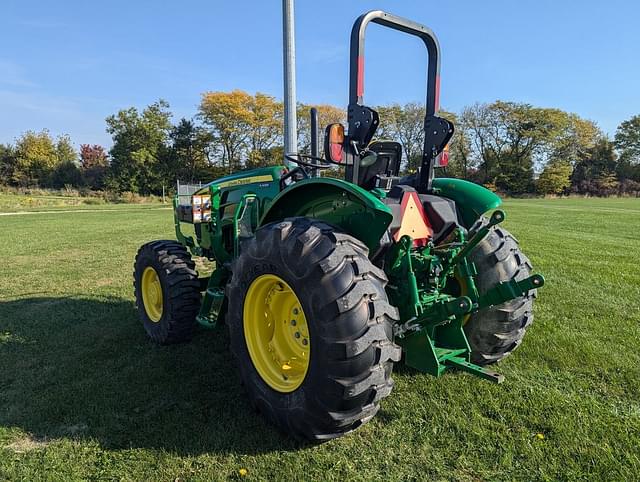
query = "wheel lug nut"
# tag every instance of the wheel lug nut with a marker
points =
(293, 322)
(295, 311)
(297, 334)
(305, 342)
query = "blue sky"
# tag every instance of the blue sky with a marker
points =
(66, 65)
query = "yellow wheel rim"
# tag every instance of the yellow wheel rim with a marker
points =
(151, 294)
(276, 332)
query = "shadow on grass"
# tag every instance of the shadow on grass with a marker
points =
(84, 369)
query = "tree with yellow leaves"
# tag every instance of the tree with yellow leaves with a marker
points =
(229, 116)
(265, 126)
(327, 114)
(245, 128)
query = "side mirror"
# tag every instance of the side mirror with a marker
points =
(334, 142)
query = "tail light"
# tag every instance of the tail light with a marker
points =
(442, 159)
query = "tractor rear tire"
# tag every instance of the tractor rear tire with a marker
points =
(167, 291)
(340, 296)
(495, 332)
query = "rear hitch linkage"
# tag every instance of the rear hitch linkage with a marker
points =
(433, 338)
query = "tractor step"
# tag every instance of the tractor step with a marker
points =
(211, 307)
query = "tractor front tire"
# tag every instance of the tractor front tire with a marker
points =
(167, 291)
(496, 331)
(311, 328)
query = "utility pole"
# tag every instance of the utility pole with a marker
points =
(289, 62)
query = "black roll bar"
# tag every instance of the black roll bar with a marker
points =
(356, 71)
(362, 120)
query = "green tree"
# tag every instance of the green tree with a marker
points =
(7, 163)
(188, 158)
(139, 144)
(460, 161)
(515, 174)
(627, 142)
(66, 174)
(570, 137)
(67, 171)
(508, 140)
(65, 150)
(405, 124)
(555, 178)
(595, 172)
(36, 158)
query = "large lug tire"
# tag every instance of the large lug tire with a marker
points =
(497, 331)
(167, 291)
(349, 326)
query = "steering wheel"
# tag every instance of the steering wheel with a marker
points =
(369, 158)
(297, 158)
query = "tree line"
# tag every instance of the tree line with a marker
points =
(514, 148)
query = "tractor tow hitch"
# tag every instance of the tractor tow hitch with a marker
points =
(433, 337)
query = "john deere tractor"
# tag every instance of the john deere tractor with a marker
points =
(325, 283)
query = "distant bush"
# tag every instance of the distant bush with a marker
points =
(127, 197)
(92, 201)
(110, 197)
(72, 196)
(131, 198)
(70, 191)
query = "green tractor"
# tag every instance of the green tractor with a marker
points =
(326, 283)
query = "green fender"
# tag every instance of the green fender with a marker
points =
(471, 199)
(340, 203)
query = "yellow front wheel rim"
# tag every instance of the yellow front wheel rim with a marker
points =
(151, 294)
(276, 333)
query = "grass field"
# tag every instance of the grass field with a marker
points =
(84, 395)
(51, 199)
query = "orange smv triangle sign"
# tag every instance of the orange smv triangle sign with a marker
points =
(413, 222)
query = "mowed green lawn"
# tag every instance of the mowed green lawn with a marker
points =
(84, 395)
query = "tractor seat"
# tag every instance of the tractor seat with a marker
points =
(384, 171)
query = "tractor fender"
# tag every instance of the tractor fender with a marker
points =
(472, 200)
(339, 203)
